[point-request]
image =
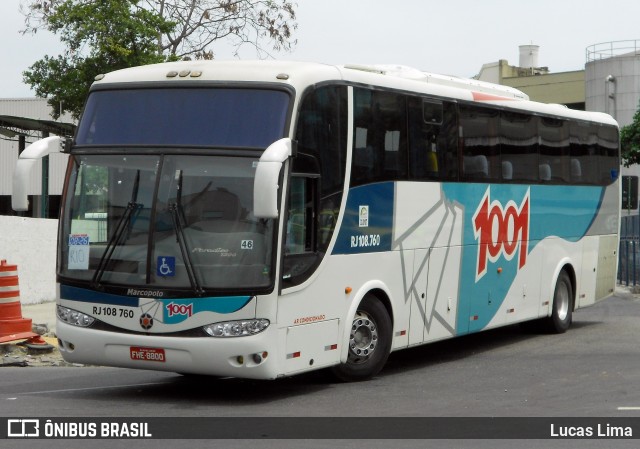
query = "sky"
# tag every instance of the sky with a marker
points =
(453, 37)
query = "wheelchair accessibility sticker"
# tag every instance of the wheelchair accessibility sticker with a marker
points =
(166, 266)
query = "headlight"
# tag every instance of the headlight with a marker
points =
(236, 328)
(74, 317)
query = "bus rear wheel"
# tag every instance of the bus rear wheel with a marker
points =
(369, 342)
(562, 312)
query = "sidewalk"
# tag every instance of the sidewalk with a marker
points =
(44, 313)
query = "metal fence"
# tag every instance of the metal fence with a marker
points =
(629, 253)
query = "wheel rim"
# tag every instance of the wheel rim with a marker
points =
(364, 338)
(562, 300)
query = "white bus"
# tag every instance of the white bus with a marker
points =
(263, 219)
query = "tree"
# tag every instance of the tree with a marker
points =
(200, 23)
(242, 22)
(630, 141)
(100, 36)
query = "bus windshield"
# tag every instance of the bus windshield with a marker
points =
(209, 117)
(174, 222)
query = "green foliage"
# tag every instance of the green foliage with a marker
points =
(106, 35)
(100, 36)
(630, 141)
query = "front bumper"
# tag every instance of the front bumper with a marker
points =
(253, 357)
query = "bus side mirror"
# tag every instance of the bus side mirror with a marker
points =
(27, 160)
(265, 184)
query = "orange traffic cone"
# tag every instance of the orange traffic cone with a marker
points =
(12, 325)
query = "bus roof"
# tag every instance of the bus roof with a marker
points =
(301, 75)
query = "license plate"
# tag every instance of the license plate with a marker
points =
(147, 354)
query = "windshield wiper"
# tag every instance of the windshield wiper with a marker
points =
(132, 208)
(177, 215)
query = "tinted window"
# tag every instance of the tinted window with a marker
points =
(380, 137)
(594, 153)
(433, 143)
(519, 149)
(481, 149)
(322, 142)
(608, 153)
(317, 182)
(196, 117)
(554, 148)
(501, 145)
(584, 146)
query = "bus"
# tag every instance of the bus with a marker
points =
(264, 219)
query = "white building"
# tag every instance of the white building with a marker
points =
(23, 121)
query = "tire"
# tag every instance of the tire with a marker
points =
(562, 312)
(369, 342)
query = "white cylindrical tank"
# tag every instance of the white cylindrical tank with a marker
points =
(529, 56)
(612, 78)
(612, 85)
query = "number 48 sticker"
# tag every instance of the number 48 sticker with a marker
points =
(246, 244)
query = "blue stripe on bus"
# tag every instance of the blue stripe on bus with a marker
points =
(86, 295)
(370, 233)
(565, 212)
(220, 304)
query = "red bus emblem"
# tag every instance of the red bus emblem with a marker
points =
(179, 309)
(501, 231)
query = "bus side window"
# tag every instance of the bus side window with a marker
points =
(425, 120)
(433, 139)
(583, 150)
(518, 140)
(317, 181)
(425, 124)
(480, 144)
(380, 137)
(609, 166)
(300, 223)
(554, 150)
(301, 255)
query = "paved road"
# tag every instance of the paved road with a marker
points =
(591, 371)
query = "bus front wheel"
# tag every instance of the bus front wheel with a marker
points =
(369, 342)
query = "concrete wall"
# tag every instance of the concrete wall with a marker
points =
(562, 88)
(30, 243)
